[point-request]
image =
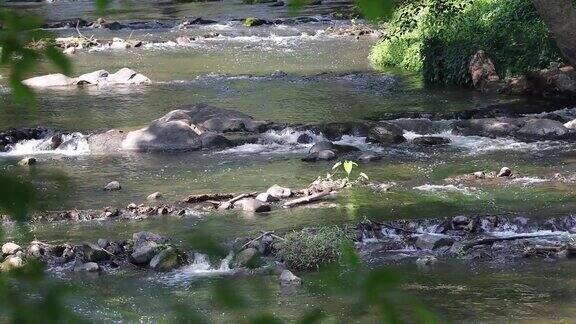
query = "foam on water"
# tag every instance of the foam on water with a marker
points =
(199, 268)
(447, 189)
(526, 181)
(72, 144)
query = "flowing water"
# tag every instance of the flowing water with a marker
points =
(325, 78)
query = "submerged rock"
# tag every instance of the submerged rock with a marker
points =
(431, 140)
(386, 133)
(166, 260)
(369, 156)
(27, 161)
(287, 278)
(113, 186)
(426, 261)
(94, 253)
(431, 241)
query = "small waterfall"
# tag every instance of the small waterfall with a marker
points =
(71, 144)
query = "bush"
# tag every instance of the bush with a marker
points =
(309, 249)
(438, 38)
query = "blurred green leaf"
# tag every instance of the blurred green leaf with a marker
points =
(16, 197)
(59, 60)
(376, 10)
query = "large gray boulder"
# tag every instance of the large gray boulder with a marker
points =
(49, 80)
(430, 241)
(94, 253)
(144, 252)
(166, 260)
(544, 129)
(488, 127)
(386, 133)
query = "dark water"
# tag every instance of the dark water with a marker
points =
(328, 79)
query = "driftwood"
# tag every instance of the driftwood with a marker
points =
(194, 199)
(306, 199)
(264, 233)
(228, 204)
(490, 240)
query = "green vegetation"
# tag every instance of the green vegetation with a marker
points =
(253, 21)
(309, 249)
(438, 38)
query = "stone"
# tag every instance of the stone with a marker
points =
(114, 248)
(253, 21)
(321, 146)
(431, 140)
(266, 197)
(247, 258)
(94, 253)
(211, 140)
(144, 252)
(279, 192)
(50, 80)
(92, 78)
(479, 174)
(112, 186)
(252, 205)
(426, 261)
(483, 72)
(460, 222)
(70, 50)
(127, 76)
(305, 139)
(103, 243)
(369, 156)
(287, 278)
(10, 248)
(386, 133)
(27, 161)
(266, 245)
(504, 172)
(430, 241)
(142, 237)
(12, 262)
(86, 267)
(166, 260)
(571, 124)
(326, 155)
(543, 129)
(154, 196)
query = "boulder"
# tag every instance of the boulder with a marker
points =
(504, 172)
(103, 243)
(279, 192)
(543, 129)
(140, 238)
(571, 124)
(252, 205)
(487, 127)
(369, 156)
(305, 139)
(431, 140)
(92, 78)
(144, 252)
(10, 248)
(94, 253)
(247, 258)
(86, 267)
(27, 161)
(419, 125)
(50, 80)
(287, 278)
(112, 186)
(326, 155)
(321, 146)
(386, 133)
(166, 260)
(154, 196)
(211, 140)
(163, 136)
(107, 142)
(127, 76)
(430, 241)
(12, 262)
(266, 197)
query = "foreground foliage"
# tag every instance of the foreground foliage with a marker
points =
(438, 38)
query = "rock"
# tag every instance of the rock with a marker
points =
(433, 241)
(184, 40)
(420, 125)
(247, 258)
(321, 146)
(10, 248)
(252, 205)
(107, 142)
(479, 175)
(144, 252)
(305, 139)
(386, 133)
(266, 245)
(460, 222)
(211, 140)
(112, 186)
(543, 129)
(279, 192)
(50, 80)
(166, 260)
(287, 278)
(70, 50)
(114, 248)
(12, 262)
(326, 155)
(142, 237)
(154, 196)
(571, 124)
(92, 78)
(431, 140)
(504, 172)
(127, 76)
(369, 156)
(426, 261)
(86, 267)
(253, 21)
(266, 197)
(488, 127)
(483, 72)
(119, 43)
(27, 161)
(103, 243)
(94, 253)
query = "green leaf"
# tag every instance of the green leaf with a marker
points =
(59, 60)
(348, 165)
(376, 10)
(16, 197)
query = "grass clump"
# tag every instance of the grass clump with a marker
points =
(309, 249)
(438, 38)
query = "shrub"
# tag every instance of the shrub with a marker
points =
(438, 38)
(309, 249)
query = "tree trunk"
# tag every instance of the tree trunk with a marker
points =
(560, 17)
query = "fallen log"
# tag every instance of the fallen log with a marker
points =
(194, 199)
(491, 240)
(306, 199)
(227, 204)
